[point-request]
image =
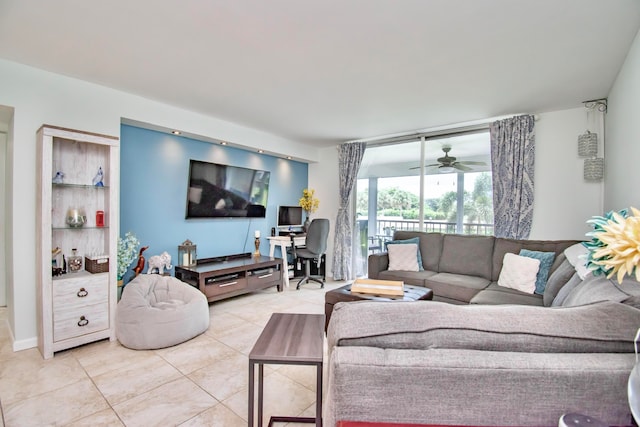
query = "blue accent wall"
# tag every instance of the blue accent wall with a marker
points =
(154, 169)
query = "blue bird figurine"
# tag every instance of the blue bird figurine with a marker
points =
(58, 178)
(97, 180)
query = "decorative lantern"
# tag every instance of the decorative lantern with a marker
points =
(187, 254)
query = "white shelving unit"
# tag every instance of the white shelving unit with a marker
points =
(76, 307)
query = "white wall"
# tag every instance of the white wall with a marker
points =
(563, 200)
(3, 239)
(622, 157)
(41, 97)
(323, 177)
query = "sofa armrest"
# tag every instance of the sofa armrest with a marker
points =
(377, 263)
(595, 328)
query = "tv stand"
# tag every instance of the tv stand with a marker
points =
(231, 275)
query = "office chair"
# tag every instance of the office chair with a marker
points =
(314, 247)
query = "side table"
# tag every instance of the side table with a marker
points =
(287, 339)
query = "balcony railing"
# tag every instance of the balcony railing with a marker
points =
(386, 227)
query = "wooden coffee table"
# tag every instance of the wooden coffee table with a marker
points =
(343, 294)
(288, 339)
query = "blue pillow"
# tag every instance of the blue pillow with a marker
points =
(546, 261)
(415, 240)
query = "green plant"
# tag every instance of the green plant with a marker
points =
(127, 252)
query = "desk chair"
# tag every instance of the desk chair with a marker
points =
(315, 246)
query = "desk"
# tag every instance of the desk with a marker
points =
(287, 339)
(284, 242)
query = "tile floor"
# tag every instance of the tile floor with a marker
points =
(202, 382)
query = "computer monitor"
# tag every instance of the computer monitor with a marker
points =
(289, 216)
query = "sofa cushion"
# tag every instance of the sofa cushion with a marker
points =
(557, 280)
(458, 287)
(574, 281)
(502, 246)
(470, 255)
(416, 278)
(599, 288)
(430, 246)
(519, 272)
(403, 257)
(412, 241)
(495, 294)
(577, 256)
(546, 261)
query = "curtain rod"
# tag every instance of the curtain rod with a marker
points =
(435, 134)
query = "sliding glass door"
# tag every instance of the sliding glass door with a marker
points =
(451, 193)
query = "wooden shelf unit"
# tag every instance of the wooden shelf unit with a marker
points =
(77, 307)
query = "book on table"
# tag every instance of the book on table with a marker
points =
(378, 287)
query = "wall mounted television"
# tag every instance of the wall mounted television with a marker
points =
(217, 190)
(289, 216)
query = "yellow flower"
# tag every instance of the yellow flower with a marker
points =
(621, 251)
(309, 203)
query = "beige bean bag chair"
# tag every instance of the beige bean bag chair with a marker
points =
(160, 311)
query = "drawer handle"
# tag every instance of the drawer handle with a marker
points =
(228, 284)
(82, 293)
(265, 275)
(83, 321)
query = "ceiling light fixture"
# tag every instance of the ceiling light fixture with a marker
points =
(176, 132)
(289, 157)
(223, 143)
(260, 151)
(446, 169)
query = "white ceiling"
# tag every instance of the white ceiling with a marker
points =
(328, 71)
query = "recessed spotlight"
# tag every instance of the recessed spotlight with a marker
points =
(289, 157)
(175, 132)
(223, 143)
(260, 151)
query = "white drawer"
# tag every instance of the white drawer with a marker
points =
(80, 321)
(80, 291)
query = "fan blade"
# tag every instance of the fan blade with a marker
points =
(473, 163)
(458, 166)
(426, 166)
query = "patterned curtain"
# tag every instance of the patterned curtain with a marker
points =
(349, 159)
(512, 160)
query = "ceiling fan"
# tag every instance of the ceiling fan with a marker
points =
(448, 164)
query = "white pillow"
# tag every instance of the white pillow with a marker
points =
(403, 257)
(577, 257)
(519, 273)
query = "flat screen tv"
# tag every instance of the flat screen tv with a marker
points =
(289, 216)
(217, 190)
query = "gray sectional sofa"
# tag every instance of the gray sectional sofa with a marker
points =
(512, 359)
(463, 269)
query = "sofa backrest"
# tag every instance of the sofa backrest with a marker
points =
(502, 246)
(430, 246)
(470, 255)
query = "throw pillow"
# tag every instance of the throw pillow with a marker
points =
(413, 240)
(546, 261)
(577, 256)
(519, 273)
(403, 257)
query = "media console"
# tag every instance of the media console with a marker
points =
(224, 277)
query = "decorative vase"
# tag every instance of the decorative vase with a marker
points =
(76, 218)
(307, 223)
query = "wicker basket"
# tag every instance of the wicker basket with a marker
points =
(96, 264)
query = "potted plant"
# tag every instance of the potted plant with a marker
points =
(127, 250)
(309, 204)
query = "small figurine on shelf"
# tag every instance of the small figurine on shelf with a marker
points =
(140, 265)
(97, 180)
(159, 263)
(58, 179)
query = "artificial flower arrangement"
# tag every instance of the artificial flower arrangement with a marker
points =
(127, 252)
(308, 202)
(614, 248)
